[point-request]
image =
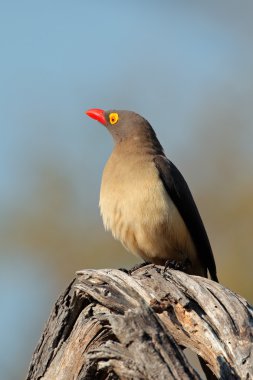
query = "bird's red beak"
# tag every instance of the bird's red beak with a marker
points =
(97, 114)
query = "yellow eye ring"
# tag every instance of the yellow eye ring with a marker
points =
(113, 117)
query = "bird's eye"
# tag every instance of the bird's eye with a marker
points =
(113, 117)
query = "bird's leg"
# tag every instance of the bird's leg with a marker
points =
(135, 267)
(124, 270)
(138, 266)
(177, 265)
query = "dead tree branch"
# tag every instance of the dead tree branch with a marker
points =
(109, 324)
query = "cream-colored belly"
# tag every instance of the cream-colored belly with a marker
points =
(137, 209)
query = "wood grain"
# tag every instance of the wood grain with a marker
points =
(109, 324)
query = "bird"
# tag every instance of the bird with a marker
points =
(145, 201)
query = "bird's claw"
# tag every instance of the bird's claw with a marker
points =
(138, 266)
(177, 265)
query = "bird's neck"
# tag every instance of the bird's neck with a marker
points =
(140, 144)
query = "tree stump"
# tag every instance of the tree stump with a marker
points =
(113, 324)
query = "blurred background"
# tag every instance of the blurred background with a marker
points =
(186, 66)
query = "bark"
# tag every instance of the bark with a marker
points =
(109, 324)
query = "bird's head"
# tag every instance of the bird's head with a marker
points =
(122, 124)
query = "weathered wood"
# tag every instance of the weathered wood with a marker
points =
(109, 324)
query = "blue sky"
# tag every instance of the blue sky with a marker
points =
(60, 58)
(163, 59)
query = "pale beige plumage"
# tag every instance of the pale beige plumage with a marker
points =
(137, 209)
(145, 201)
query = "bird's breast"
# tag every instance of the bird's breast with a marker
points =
(138, 210)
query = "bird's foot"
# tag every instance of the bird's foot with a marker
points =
(124, 270)
(177, 265)
(138, 266)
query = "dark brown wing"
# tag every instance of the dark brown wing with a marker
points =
(180, 194)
